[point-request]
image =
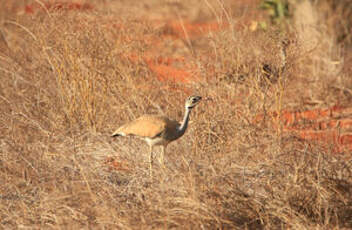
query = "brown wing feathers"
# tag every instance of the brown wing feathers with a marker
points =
(145, 126)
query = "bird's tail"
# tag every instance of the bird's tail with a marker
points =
(115, 135)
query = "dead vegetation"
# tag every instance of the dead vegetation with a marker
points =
(68, 80)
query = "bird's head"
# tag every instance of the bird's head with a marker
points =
(192, 101)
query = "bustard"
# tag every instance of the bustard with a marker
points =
(158, 130)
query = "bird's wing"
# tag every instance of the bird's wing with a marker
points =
(145, 126)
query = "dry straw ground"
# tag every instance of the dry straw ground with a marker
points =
(73, 72)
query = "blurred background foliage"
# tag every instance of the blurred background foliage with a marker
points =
(337, 12)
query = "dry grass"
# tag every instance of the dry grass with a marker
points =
(68, 80)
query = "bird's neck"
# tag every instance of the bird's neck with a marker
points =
(184, 123)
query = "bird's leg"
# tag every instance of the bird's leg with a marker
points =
(162, 156)
(150, 159)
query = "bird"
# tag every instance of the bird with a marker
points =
(158, 130)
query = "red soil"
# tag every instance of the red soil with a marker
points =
(116, 164)
(166, 71)
(332, 126)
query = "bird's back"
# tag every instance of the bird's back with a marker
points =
(149, 126)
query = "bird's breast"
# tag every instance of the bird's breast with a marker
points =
(157, 141)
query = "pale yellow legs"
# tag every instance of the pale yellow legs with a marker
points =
(151, 158)
(162, 156)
